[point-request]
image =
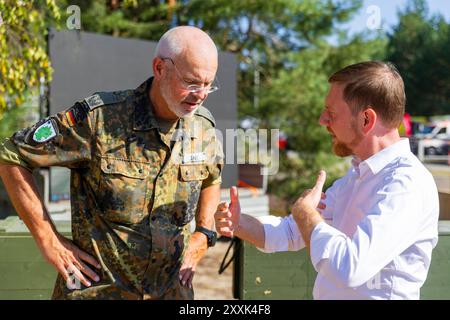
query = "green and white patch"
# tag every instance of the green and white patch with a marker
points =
(44, 132)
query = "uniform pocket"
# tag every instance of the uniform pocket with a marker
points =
(189, 186)
(126, 168)
(122, 189)
(193, 172)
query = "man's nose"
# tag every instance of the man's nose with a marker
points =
(323, 119)
(201, 94)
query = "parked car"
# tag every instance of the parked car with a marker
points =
(435, 139)
(435, 146)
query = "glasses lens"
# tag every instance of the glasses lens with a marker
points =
(213, 88)
(195, 89)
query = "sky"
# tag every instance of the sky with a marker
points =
(386, 10)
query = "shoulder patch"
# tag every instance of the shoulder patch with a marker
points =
(43, 131)
(203, 112)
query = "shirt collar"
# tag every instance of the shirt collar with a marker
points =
(144, 118)
(382, 158)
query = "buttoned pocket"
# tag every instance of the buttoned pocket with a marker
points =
(122, 189)
(127, 168)
(193, 172)
(190, 181)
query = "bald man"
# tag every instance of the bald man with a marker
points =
(144, 164)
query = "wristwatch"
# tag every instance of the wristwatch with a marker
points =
(211, 235)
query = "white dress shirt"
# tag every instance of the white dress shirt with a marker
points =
(382, 224)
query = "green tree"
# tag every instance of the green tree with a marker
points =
(296, 99)
(23, 57)
(419, 46)
(17, 117)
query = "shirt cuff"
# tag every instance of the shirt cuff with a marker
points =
(321, 241)
(274, 240)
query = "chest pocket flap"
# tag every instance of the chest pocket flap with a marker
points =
(131, 169)
(193, 172)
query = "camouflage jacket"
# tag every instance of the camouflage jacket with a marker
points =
(132, 195)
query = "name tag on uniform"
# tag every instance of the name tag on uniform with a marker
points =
(194, 157)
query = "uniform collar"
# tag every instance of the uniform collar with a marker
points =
(144, 118)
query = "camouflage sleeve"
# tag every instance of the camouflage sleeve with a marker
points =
(215, 166)
(215, 176)
(10, 155)
(63, 139)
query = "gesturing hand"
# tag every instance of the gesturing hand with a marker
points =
(311, 197)
(227, 215)
(304, 210)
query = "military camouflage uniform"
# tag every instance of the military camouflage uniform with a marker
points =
(133, 192)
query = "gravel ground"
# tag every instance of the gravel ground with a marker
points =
(208, 284)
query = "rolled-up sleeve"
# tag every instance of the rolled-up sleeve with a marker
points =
(281, 234)
(63, 139)
(9, 154)
(215, 156)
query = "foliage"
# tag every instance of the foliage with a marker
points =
(21, 116)
(23, 57)
(297, 97)
(419, 46)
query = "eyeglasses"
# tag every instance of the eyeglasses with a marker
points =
(193, 88)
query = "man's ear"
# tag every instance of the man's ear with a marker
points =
(157, 66)
(369, 119)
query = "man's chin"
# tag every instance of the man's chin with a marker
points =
(341, 150)
(181, 112)
(189, 113)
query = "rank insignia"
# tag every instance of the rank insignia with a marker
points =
(94, 101)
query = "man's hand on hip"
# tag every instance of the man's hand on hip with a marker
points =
(194, 253)
(69, 260)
